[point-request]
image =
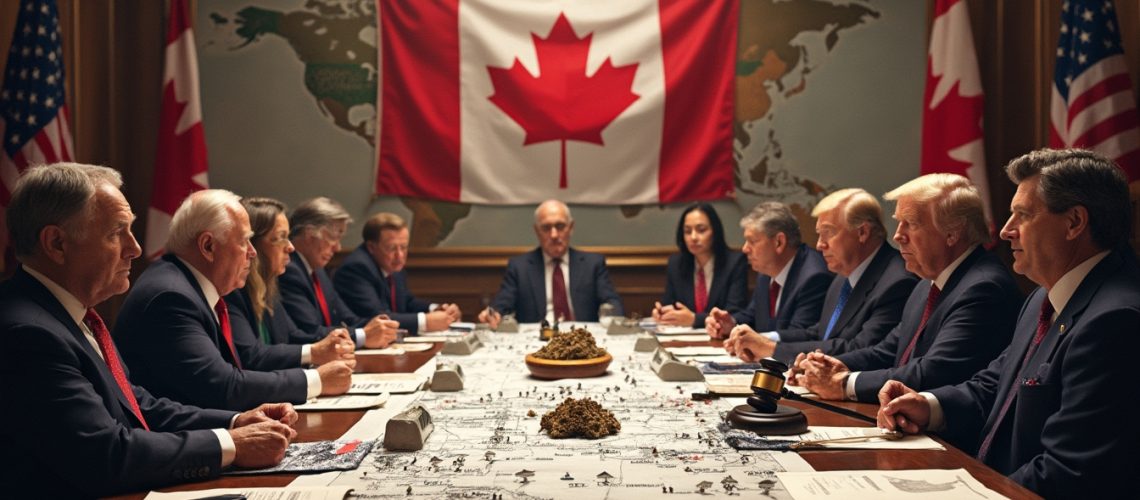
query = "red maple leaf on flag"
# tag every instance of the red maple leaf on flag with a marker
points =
(562, 103)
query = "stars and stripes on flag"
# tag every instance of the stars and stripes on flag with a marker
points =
(34, 123)
(1093, 106)
(594, 101)
(952, 136)
(180, 164)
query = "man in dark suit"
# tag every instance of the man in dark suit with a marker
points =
(175, 329)
(956, 320)
(372, 279)
(792, 279)
(1055, 410)
(315, 229)
(74, 425)
(535, 287)
(866, 298)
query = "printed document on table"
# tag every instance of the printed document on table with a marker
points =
(930, 484)
(680, 330)
(344, 402)
(380, 383)
(697, 351)
(286, 493)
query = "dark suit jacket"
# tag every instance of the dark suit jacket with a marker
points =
(255, 354)
(523, 290)
(970, 325)
(728, 290)
(362, 286)
(300, 300)
(1069, 434)
(67, 430)
(802, 293)
(873, 308)
(175, 348)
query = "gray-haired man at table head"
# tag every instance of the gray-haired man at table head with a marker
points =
(866, 298)
(1055, 411)
(956, 320)
(74, 424)
(792, 281)
(554, 281)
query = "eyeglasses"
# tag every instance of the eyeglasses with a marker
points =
(331, 236)
(559, 226)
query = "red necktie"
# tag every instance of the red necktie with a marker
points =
(392, 291)
(931, 300)
(103, 338)
(558, 293)
(701, 292)
(1044, 320)
(321, 299)
(773, 293)
(227, 332)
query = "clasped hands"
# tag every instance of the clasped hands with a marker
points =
(673, 315)
(822, 374)
(261, 435)
(442, 317)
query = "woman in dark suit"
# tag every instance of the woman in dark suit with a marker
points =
(704, 263)
(257, 306)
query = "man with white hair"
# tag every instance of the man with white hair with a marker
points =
(957, 319)
(554, 281)
(866, 298)
(175, 330)
(75, 426)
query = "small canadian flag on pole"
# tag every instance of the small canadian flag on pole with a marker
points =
(952, 138)
(588, 101)
(180, 166)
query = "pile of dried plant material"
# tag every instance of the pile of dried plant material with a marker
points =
(575, 344)
(580, 418)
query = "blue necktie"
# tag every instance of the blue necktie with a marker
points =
(843, 293)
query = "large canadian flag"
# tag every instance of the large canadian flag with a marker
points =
(952, 138)
(517, 101)
(180, 166)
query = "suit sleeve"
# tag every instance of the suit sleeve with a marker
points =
(506, 301)
(65, 424)
(747, 315)
(294, 289)
(971, 335)
(359, 294)
(672, 286)
(810, 301)
(184, 358)
(736, 293)
(604, 288)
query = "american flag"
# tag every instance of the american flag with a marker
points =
(33, 118)
(1093, 106)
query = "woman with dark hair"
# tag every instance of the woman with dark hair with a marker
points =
(255, 310)
(704, 275)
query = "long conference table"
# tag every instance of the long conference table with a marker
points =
(330, 425)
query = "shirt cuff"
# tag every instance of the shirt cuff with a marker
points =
(421, 320)
(313, 380)
(849, 390)
(307, 354)
(360, 338)
(937, 421)
(229, 449)
(774, 336)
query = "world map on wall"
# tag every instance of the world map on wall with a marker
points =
(781, 44)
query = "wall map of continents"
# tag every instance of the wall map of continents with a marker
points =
(828, 95)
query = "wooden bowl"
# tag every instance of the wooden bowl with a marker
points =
(554, 369)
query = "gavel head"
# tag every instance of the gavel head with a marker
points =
(767, 385)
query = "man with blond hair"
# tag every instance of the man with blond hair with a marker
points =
(75, 425)
(866, 298)
(372, 279)
(175, 329)
(957, 319)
